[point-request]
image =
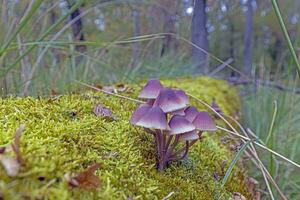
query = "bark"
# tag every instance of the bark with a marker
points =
(200, 36)
(248, 38)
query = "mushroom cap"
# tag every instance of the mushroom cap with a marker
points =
(168, 101)
(150, 102)
(139, 113)
(182, 95)
(191, 113)
(192, 135)
(178, 112)
(151, 89)
(204, 122)
(215, 106)
(179, 124)
(154, 118)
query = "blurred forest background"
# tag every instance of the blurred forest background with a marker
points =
(46, 45)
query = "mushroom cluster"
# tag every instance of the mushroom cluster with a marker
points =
(168, 116)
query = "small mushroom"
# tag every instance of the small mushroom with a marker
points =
(204, 122)
(215, 106)
(154, 118)
(179, 124)
(151, 89)
(192, 135)
(178, 112)
(191, 113)
(182, 95)
(139, 113)
(168, 101)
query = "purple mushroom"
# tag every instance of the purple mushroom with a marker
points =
(168, 101)
(139, 113)
(151, 89)
(204, 122)
(154, 118)
(215, 106)
(179, 124)
(191, 113)
(167, 116)
(189, 136)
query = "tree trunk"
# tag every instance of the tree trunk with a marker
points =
(199, 36)
(5, 12)
(136, 32)
(77, 27)
(248, 38)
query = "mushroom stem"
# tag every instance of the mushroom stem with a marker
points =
(188, 145)
(164, 138)
(168, 142)
(174, 156)
(157, 144)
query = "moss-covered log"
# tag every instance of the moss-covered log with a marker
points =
(63, 135)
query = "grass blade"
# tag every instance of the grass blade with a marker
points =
(286, 34)
(234, 161)
(44, 35)
(23, 23)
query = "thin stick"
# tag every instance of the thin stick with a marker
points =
(259, 163)
(261, 146)
(235, 132)
(110, 93)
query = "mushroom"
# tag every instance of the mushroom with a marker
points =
(154, 118)
(151, 89)
(168, 101)
(166, 116)
(182, 95)
(179, 124)
(215, 106)
(178, 112)
(139, 113)
(204, 122)
(191, 113)
(192, 135)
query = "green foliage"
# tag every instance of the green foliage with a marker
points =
(64, 135)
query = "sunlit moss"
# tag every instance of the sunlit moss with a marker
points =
(64, 135)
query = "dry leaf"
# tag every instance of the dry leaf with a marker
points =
(16, 144)
(11, 165)
(102, 111)
(110, 89)
(252, 184)
(238, 196)
(119, 88)
(86, 179)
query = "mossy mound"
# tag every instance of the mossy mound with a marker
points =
(64, 135)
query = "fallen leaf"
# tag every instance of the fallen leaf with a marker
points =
(252, 184)
(110, 88)
(16, 144)
(238, 196)
(11, 165)
(86, 179)
(102, 111)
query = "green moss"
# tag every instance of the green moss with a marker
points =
(64, 135)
